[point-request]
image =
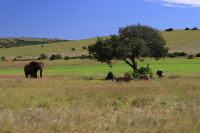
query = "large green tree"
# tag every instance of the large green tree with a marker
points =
(132, 42)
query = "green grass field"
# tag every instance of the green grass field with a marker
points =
(174, 66)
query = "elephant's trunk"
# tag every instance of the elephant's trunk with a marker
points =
(41, 73)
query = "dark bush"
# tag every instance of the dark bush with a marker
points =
(187, 28)
(73, 49)
(84, 57)
(197, 55)
(190, 56)
(110, 76)
(177, 54)
(66, 57)
(3, 58)
(180, 53)
(169, 29)
(55, 57)
(195, 28)
(84, 47)
(42, 56)
(171, 55)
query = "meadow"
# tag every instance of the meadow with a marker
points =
(86, 67)
(72, 97)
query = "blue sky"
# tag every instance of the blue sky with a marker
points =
(80, 19)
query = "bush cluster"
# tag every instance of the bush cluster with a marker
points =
(169, 29)
(73, 49)
(55, 57)
(195, 28)
(2, 58)
(42, 56)
(84, 47)
(187, 28)
(177, 54)
(197, 55)
(190, 56)
(143, 71)
(78, 57)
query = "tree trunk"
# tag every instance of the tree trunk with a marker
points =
(134, 64)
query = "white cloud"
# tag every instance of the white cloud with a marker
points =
(178, 3)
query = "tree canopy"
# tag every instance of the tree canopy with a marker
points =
(132, 42)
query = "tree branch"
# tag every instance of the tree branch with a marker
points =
(127, 62)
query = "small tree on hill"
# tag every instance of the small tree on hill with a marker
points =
(132, 42)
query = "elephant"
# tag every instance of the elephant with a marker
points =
(32, 69)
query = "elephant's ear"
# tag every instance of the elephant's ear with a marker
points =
(41, 64)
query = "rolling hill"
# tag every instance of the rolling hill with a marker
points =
(179, 40)
(16, 42)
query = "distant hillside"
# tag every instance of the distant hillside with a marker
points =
(15, 42)
(179, 40)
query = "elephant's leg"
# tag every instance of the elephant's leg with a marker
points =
(26, 75)
(34, 75)
(40, 73)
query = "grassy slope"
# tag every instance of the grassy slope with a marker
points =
(63, 48)
(187, 41)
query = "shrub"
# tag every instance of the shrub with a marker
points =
(66, 57)
(176, 54)
(55, 57)
(73, 49)
(136, 74)
(195, 28)
(3, 58)
(190, 56)
(128, 74)
(143, 71)
(182, 54)
(171, 55)
(169, 29)
(110, 76)
(84, 57)
(187, 28)
(84, 47)
(43, 56)
(197, 55)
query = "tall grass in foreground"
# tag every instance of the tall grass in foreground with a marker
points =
(61, 104)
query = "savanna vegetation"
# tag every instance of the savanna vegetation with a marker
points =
(73, 96)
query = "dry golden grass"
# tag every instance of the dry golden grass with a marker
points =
(62, 104)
